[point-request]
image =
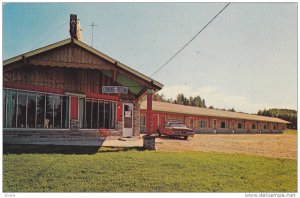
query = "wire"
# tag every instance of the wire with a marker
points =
(49, 35)
(190, 40)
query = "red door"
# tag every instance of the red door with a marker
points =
(155, 122)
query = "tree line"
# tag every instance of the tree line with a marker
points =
(285, 114)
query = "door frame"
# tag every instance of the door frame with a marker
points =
(127, 130)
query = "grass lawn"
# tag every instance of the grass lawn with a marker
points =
(290, 132)
(147, 171)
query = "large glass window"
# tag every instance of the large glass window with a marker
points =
(101, 114)
(65, 112)
(81, 112)
(22, 100)
(106, 115)
(95, 124)
(11, 108)
(26, 109)
(57, 100)
(88, 114)
(31, 110)
(40, 98)
(97, 114)
(4, 107)
(48, 122)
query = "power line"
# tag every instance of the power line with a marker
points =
(190, 40)
(49, 35)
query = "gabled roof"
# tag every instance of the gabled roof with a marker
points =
(189, 110)
(90, 49)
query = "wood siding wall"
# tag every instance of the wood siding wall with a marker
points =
(69, 79)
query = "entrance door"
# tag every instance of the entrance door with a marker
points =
(127, 119)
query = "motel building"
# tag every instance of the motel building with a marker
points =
(204, 120)
(68, 93)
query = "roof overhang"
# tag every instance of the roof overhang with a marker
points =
(152, 83)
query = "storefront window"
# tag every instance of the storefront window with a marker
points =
(95, 124)
(57, 100)
(81, 112)
(4, 107)
(97, 114)
(21, 119)
(11, 105)
(26, 109)
(106, 115)
(88, 114)
(31, 109)
(65, 113)
(101, 114)
(113, 115)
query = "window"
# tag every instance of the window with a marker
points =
(31, 109)
(240, 126)
(21, 110)
(26, 109)
(203, 124)
(223, 125)
(265, 126)
(253, 126)
(11, 108)
(94, 114)
(143, 124)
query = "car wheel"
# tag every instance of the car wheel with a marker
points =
(185, 137)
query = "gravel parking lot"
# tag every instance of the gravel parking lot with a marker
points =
(269, 145)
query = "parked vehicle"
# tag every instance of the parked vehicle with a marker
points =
(175, 129)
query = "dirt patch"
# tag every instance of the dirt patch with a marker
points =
(268, 145)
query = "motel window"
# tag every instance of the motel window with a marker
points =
(240, 126)
(223, 125)
(27, 109)
(203, 124)
(265, 126)
(94, 114)
(253, 126)
(274, 127)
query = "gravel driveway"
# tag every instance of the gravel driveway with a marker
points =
(269, 145)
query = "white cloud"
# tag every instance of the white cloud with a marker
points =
(217, 98)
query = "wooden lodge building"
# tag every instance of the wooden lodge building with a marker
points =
(65, 92)
(204, 120)
(68, 93)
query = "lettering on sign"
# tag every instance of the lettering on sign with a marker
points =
(115, 89)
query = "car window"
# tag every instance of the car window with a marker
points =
(177, 125)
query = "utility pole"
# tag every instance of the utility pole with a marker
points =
(93, 25)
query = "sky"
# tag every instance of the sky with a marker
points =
(245, 59)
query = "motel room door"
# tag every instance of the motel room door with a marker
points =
(127, 120)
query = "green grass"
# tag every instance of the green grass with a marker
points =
(147, 171)
(290, 132)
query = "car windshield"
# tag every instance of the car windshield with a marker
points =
(177, 125)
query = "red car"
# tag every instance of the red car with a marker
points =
(175, 129)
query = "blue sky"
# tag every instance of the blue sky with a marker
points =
(246, 58)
